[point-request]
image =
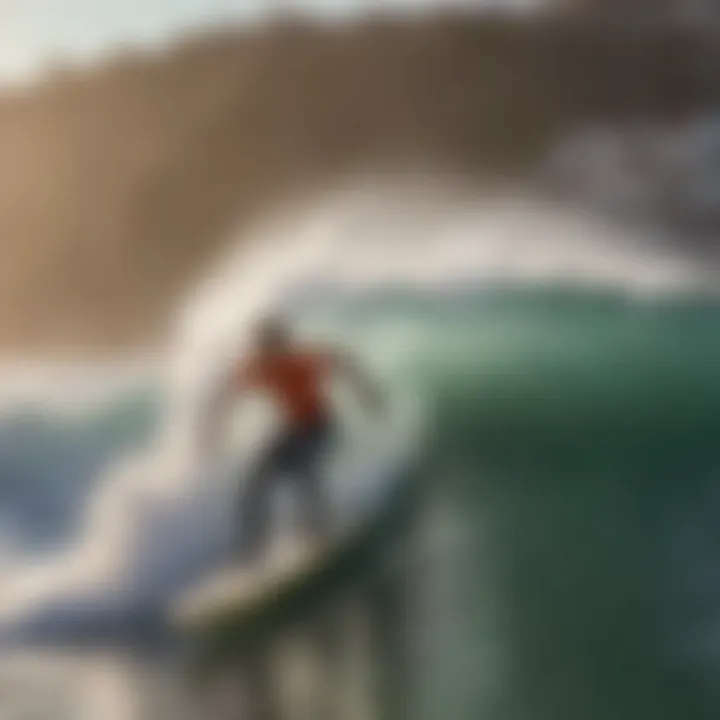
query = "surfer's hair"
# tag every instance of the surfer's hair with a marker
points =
(272, 332)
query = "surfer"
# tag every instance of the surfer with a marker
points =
(295, 377)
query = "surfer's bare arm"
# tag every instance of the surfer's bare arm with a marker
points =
(366, 387)
(225, 393)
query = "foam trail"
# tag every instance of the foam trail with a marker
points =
(157, 519)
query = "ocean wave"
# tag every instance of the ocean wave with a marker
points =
(526, 328)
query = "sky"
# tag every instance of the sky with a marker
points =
(36, 33)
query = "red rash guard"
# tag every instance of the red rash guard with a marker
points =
(295, 380)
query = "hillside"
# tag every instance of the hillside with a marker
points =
(118, 184)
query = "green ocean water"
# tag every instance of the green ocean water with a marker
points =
(571, 550)
(568, 558)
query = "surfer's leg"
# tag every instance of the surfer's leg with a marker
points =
(316, 508)
(313, 499)
(255, 497)
(253, 515)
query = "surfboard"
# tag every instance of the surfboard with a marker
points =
(233, 607)
(238, 588)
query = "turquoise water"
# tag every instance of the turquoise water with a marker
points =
(568, 556)
(572, 544)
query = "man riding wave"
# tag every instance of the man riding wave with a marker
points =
(296, 377)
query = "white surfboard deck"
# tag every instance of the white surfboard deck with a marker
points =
(240, 586)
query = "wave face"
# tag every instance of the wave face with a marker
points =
(569, 374)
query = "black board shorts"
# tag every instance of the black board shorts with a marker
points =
(297, 450)
(295, 455)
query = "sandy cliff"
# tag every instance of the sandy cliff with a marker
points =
(116, 186)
